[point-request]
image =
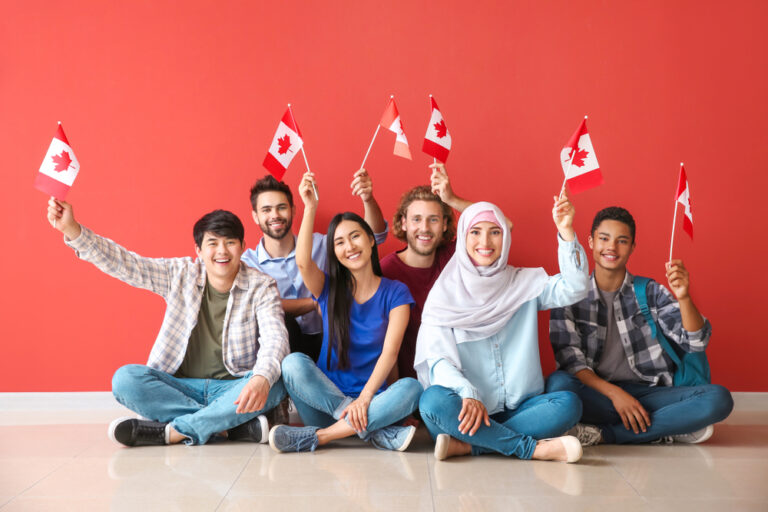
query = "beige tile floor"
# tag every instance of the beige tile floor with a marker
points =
(50, 461)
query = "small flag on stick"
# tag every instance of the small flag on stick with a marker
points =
(682, 196)
(59, 168)
(390, 120)
(285, 145)
(580, 166)
(437, 141)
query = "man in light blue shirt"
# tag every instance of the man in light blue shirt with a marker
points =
(275, 254)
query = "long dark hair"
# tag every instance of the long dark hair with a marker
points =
(341, 284)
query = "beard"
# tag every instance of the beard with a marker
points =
(413, 244)
(277, 235)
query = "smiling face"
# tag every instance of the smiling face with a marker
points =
(611, 243)
(352, 245)
(221, 255)
(484, 243)
(273, 214)
(424, 225)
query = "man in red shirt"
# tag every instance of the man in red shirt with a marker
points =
(424, 221)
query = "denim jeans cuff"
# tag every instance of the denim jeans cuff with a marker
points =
(343, 405)
(190, 438)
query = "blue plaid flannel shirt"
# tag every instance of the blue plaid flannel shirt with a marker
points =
(254, 335)
(577, 332)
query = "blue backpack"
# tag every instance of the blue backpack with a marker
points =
(692, 367)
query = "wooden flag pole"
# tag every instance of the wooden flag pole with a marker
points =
(391, 96)
(314, 188)
(674, 220)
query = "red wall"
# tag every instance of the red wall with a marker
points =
(170, 108)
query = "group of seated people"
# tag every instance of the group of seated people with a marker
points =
(443, 332)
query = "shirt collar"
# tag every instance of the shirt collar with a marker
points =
(626, 286)
(263, 256)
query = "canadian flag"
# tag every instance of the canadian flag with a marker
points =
(59, 168)
(285, 145)
(579, 162)
(683, 196)
(437, 141)
(391, 121)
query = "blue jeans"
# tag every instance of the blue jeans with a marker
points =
(673, 410)
(512, 432)
(320, 403)
(196, 408)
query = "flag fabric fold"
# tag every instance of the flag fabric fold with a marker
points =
(285, 145)
(683, 196)
(390, 120)
(437, 141)
(59, 168)
(579, 162)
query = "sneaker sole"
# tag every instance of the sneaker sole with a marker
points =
(407, 442)
(264, 425)
(113, 426)
(272, 439)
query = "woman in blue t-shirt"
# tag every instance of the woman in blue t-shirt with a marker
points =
(364, 319)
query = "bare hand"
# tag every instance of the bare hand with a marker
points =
(473, 414)
(307, 189)
(632, 413)
(357, 413)
(62, 217)
(253, 395)
(677, 278)
(562, 213)
(362, 185)
(440, 183)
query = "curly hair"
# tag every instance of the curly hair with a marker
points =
(422, 193)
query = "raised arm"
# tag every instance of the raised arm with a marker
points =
(441, 185)
(311, 274)
(151, 274)
(362, 186)
(357, 411)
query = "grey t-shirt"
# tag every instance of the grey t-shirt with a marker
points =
(613, 365)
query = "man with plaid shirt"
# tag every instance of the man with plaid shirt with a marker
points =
(215, 365)
(607, 355)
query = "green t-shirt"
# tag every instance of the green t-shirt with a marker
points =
(203, 359)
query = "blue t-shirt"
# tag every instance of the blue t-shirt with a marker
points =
(367, 329)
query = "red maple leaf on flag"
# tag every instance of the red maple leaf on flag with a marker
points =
(579, 157)
(61, 162)
(441, 129)
(284, 144)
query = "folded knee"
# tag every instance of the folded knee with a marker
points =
(293, 363)
(436, 398)
(127, 379)
(561, 381)
(721, 401)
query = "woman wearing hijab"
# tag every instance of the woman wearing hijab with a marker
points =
(477, 352)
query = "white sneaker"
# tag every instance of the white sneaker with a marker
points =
(695, 437)
(588, 435)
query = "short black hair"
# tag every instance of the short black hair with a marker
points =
(220, 223)
(269, 184)
(614, 213)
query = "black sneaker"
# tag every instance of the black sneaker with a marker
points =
(136, 432)
(254, 430)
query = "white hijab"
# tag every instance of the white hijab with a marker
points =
(477, 300)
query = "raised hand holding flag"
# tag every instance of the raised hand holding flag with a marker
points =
(682, 196)
(437, 141)
(59, 168)
(580, 166)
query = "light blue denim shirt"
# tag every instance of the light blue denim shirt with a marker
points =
(504, 370)
(286, 273)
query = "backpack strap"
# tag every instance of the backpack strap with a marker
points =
(640, 284)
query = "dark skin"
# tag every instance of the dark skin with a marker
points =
(611, 245)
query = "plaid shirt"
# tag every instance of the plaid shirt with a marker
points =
(577, 332)
(254, 336)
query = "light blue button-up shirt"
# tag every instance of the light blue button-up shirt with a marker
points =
(504, 369)
(289, 282)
